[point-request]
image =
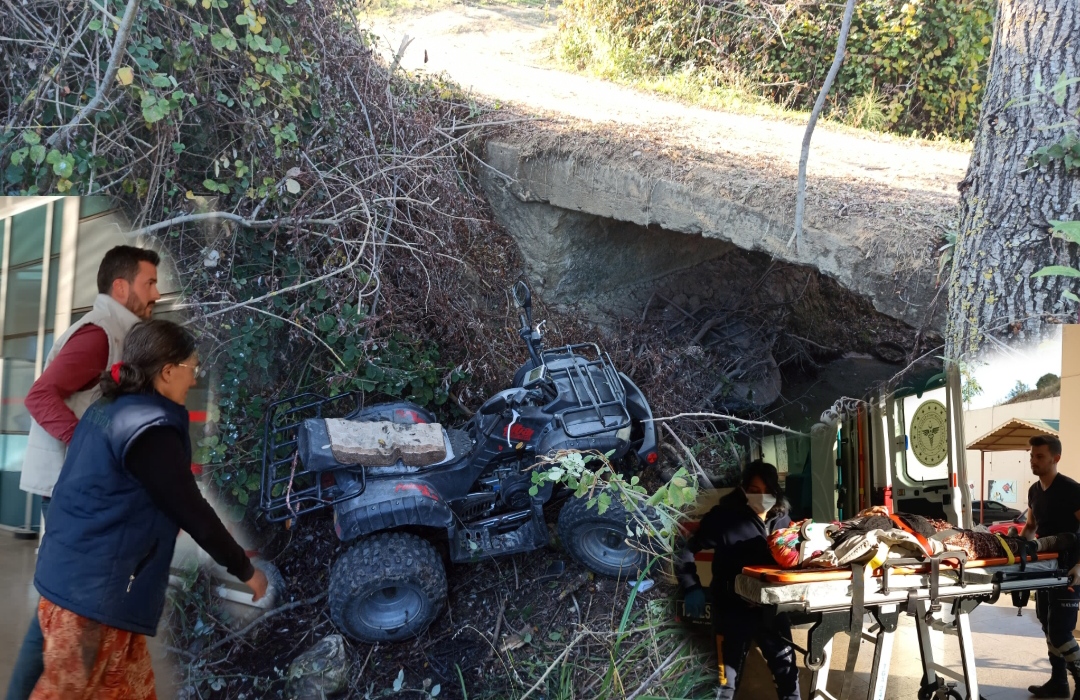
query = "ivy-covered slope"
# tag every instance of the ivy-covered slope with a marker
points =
(316, 201)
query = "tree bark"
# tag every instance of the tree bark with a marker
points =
(1005, 208)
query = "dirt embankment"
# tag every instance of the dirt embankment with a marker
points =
(892, 196)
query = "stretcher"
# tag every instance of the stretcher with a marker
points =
(939, 591)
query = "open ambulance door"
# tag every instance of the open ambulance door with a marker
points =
(925, 444)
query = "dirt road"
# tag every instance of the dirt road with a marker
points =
(501, 52)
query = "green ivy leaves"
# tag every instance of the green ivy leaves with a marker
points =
(1069, 231)
(63, 164)
(224, 39)
(1066, 150)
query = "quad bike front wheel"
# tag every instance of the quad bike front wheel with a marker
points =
(387, 588)
(600, 542)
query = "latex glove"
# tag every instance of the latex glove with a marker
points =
(694, 602)
(258, 585)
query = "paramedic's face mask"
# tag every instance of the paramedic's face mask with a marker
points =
(760, 503)
(758, 498)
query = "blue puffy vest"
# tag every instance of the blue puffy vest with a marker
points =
(107, 548)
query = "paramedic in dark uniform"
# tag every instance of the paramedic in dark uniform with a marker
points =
(736, 530)
(1054, 508)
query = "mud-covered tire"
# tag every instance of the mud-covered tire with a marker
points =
(599, 542)
(387, 588)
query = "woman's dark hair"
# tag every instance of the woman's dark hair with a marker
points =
(147, 349)
(764, 471)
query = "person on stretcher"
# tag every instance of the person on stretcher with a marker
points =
(876, 534)
(736, 529)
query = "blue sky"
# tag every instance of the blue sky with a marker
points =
(999, 374)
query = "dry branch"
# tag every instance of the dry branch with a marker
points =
(558, 660)
(736, 419)
(657, 671)
(800, 193)
(118, 50)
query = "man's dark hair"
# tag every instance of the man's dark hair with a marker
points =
(122, 262)
(1049, 441)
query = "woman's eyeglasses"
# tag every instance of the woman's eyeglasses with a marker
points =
(194, 368)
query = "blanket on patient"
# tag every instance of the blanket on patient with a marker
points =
(875, 535)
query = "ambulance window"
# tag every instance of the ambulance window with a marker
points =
(933, 445)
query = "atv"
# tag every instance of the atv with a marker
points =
(466, 491)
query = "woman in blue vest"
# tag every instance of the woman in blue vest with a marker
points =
(736, 529)
(124, 493)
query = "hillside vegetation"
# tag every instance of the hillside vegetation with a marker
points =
(914, 68)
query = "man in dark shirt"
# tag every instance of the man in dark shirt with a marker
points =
(1054, 508)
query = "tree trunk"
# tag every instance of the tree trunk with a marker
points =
(1004, 234)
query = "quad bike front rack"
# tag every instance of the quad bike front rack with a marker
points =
(289, 489)
(605, 400)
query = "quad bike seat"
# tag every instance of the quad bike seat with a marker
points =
(326, 444)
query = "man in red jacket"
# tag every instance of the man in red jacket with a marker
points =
(127, 292)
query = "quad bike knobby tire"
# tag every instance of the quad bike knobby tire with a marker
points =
(387, 588)
(599, 542)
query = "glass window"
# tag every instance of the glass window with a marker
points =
(23, 300)
(92, 206)
(12, 449)
(18, 371)
(28, 236)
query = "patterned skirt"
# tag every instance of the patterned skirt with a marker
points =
(86, 660)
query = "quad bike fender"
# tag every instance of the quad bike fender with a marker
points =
(639, 409)
(556, 441)
(390, 504)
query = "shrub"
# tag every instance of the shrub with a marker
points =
(914, 67)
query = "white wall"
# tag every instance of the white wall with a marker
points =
(1005, 466)
(1070, 401)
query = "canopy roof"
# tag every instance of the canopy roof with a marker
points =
(1014, 434)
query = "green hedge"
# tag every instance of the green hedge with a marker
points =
(918, 66)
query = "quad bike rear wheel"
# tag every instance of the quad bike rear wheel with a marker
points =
(600, 542)
(387, 588)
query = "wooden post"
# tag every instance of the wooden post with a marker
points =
(982, 484)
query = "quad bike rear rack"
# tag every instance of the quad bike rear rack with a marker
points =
(590, 398)
(289, 489)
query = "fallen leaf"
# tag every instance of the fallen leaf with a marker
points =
(514, 641)
(292, 186)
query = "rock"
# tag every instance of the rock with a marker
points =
(319, 672)
(381, 443)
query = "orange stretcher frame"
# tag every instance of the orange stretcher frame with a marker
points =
(774, 574)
